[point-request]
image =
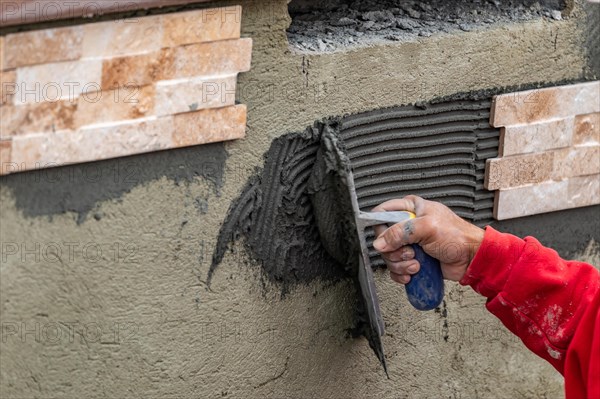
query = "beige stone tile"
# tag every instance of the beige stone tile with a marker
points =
(43, 46)
(5, 161)
(209, 125)
(545, 104)
(91, 144)
(536, 137)
(122, 37)
(8, 86)
(587, 129)
(214, 58)
(584, 190)
(115, 105)
(137, 70)
(201, 26)
(185, 95)
(531, 200)
(47, 117)
(576, 161)
(57, 81)
(518, 170)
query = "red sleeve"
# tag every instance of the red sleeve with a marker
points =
(550, 303)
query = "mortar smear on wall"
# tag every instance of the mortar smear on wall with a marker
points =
(435, 150)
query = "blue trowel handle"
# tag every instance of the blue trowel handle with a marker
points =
(425, 290)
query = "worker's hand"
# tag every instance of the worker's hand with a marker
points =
(438, 230)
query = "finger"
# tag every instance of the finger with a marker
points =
(400, 278)
(401, 254)
(405, 267)
(398, 235)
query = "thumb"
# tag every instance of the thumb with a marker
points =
(396, 236)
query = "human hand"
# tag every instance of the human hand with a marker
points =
(439, 231)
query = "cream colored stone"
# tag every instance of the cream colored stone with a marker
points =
(2, 55)
(576, 161)
(91, 144)
(115, 105)
(8, 87)
(122, 37)
(173, 97)
(531, 200)
(587, 129)
(536, 137)
(545, 104)
(584, 190)
(209, 126)
(46, 117)
(518, 170)
(201, 26)
(214, 58)
(43, 46)
(57, 81)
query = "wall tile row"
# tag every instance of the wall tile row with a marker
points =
(108, 89)
(549, 153)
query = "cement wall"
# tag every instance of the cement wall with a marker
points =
(103, 275)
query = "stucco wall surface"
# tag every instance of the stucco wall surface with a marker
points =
(104, 265)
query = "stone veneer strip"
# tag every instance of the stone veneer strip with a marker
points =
(545, 104)
(547, 197)
(42, 47)
(209, 126)
(576, 161)
(518, 170)
(587, 129)
(121, 37)
(57, 81)
(524, 139)
(46, 117)
(98, 142)
(184, 95)
(8, 87)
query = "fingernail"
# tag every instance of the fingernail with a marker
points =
(412, 269)
(379, 244)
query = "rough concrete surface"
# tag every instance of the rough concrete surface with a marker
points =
(118, 306)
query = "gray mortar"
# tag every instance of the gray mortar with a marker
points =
(80, 188)
(319, 26)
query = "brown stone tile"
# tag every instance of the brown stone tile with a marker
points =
(201, 26)
(122, 37)
(5, 162)
(518, 170)
(115, 105)
(44, 117)
(2, 57)
(536, 137)
(91, 144)
(587, 129)
(185, 95)
(545, 104)
(209, 125)
(43, 46)
(214, 58)
(576, 161)
(137, 70)
(8, 86)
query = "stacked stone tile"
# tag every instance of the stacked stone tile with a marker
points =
(549, 155)
(109, 89)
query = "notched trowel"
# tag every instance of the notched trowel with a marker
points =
(342, 227)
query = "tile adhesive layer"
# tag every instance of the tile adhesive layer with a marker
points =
(436, 150)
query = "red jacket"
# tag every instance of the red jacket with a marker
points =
(552, 304)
